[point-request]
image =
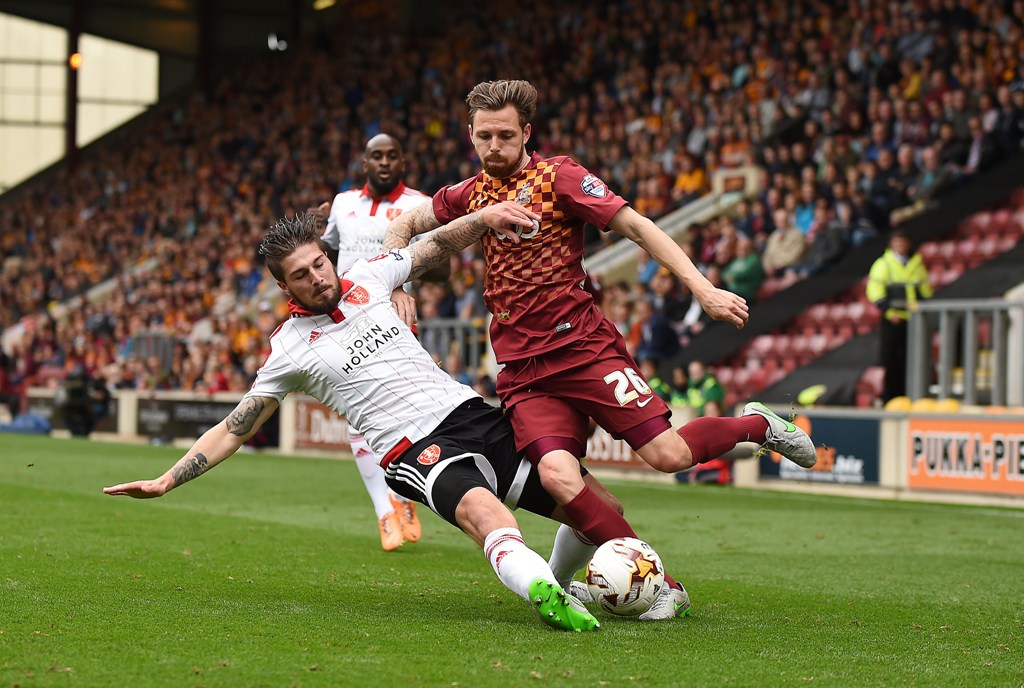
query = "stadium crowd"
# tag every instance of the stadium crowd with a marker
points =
(854, 117)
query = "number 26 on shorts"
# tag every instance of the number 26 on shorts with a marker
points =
(629, 385)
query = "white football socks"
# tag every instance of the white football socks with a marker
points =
(516, 564)
(373, 477)
(571, 552)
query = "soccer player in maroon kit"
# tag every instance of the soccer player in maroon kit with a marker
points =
(563, 361)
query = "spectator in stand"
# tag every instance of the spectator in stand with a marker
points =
(785, 246)
(706, 396)
(456, 368)
(981, 150)
(952, 151)
(666, 296)
(803, 214)
(828, 243)
(679, 385)
(649, 371)
(651, 334)
(906, 171)
(744, 274)
(1009, 126)
(646, 267)
(933, 179)
(690, 183)
(896, 282)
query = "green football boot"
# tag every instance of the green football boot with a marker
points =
(559, 610)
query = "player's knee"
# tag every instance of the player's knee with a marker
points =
(560, 478)
(669, 461)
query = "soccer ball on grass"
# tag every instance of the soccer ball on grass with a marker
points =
(625, 576)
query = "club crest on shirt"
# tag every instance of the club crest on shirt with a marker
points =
(392, 213)
(592, 186)
(525, 195)
(358, 296)
(430, 455)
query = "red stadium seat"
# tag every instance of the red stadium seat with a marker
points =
(1007, 243)
(928, 251)
(762, 345)
(818, 345)
(988, 247)
(758, 380)
(1002, 217)
(725, 376)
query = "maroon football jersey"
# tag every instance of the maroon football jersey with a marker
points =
(534, 288)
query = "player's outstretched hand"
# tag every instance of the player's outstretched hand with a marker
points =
(405, 305)
(140, 489)
(509, 219)
(724, 305)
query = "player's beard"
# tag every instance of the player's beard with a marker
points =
(499, 168)
(323, 304)
(383, 188)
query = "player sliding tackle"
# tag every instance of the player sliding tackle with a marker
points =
(563, 362)
(440, 443)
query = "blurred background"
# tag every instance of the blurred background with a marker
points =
(145, 146)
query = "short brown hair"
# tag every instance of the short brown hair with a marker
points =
(494, 95)
(286, 237)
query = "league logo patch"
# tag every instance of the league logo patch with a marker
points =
(358, 296)
(430, 455)
(392, 213)
(592, 186)
(314, 335)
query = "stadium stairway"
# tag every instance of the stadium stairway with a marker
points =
(822, 331)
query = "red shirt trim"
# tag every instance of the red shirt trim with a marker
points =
(395, 452)
(395, 194)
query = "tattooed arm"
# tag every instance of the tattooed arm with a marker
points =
(216, 444)
(506, 218)
(403, 228)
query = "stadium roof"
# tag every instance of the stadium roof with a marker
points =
(175, 27)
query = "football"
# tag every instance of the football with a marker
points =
(625, 576)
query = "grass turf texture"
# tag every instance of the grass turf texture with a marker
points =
(268, 572)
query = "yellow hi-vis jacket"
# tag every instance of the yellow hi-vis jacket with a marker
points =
(891, 280)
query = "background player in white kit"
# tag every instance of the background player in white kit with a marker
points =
(355, 229)
(439, 441)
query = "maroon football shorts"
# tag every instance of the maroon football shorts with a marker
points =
(548, 398)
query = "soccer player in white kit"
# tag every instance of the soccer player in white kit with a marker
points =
(440, 442)
(355, 229)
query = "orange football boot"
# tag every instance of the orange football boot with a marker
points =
(406, 511)
(390, 532)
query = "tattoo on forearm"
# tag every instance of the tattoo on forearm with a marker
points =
(189, 468)
(437, 248)
(242, 419)
(403, 228)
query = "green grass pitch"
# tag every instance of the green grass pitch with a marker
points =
(268, 572)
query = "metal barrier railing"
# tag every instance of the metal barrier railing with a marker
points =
(979, 342)
(441, 336)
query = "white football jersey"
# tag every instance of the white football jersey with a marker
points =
(356, 225)
(363, 361)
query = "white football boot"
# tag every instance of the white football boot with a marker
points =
(581, 592)
(784, 437)
(671, 602)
